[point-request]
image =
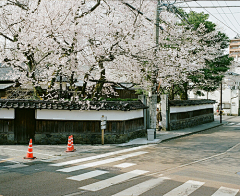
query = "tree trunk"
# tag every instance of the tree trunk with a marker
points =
(86, 77)
(171, 93)
(184, 95)
(60, 87)
(37, 92)
(98, 88)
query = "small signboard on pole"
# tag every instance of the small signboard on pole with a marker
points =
(103, 126)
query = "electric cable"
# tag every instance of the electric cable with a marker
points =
(211, 6)
(229, 13)
(232, 14)
(219, 12)
(217, 18)
(227, 17)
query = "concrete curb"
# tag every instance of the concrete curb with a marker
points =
(191, 133)
(178, 134)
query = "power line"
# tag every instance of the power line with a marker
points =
(226, 16)
(211, 6)
(232, 14)
(218, 12)
(228, 13)
(187, 1)
(217, 18)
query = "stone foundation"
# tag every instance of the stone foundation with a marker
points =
(87, 138)
(190, 122)
(7, 138)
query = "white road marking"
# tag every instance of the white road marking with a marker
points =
(8, 160)
(124, 165)
(142, 187)
(185, 189)
(112, 181)
(97, 163)
(73, 194)
(231, 123)
(99, 156)
(88, 175)
(26, 151)
(224, 191)
(16, 165)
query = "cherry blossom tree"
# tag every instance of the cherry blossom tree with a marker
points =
(97, 42)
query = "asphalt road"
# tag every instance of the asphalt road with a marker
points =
(207, 163)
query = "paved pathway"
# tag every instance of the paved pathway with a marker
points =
(167, 135)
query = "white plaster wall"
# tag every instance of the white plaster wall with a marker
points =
(228, 96)
(7, 113)
(177, 109)
(234, 102)
(45, 114)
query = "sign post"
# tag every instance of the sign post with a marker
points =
(103, 126)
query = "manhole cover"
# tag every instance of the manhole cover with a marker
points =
(109, 168)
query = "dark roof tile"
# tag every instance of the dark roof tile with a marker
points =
(81, 105)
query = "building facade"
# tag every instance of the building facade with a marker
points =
(230, 84)
(234, 48)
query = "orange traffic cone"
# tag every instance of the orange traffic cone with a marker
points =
(70, 148)
(72, 143)
(30, 151)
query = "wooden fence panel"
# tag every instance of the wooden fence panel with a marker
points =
(6, 126)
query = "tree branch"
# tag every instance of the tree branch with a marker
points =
(89, 11)
(8, 38)
(17, 3)
(44, 57)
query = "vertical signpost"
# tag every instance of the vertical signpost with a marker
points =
(103, 126)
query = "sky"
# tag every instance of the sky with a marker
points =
(227, 18)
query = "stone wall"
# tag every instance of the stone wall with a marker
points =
(52, 123)
(190, 122)
(88, 132)
(188, 113)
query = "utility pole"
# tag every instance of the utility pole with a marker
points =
(152, 98)
(157, 24)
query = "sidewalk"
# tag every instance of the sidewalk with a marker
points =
(168, 135)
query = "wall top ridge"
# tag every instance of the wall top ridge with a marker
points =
(72, 105)
(191, 102)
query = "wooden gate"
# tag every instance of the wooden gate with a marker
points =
(24, 126)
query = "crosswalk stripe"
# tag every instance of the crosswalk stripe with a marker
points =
(142, 187)
(112, 181)
(185, 189)
(224, 191)
(88, 175)
(124, 165)
(16, 165)
(98, 156)
(97, 163)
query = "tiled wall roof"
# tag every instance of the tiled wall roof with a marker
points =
(191, 102)
(81, 105)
